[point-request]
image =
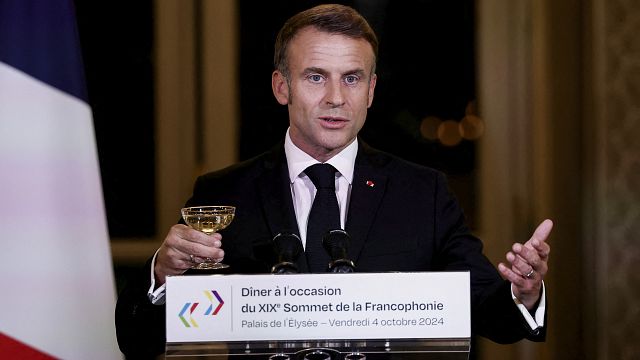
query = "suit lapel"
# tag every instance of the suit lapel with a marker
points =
(367, 191)
(275, 195)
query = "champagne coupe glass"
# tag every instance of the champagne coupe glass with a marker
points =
(209, 219)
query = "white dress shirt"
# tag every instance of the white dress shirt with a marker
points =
(302, 189)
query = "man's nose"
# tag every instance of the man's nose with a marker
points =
(334, 96)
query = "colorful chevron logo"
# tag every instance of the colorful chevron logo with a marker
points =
(188, 307)
(219, 300)
(186, 314)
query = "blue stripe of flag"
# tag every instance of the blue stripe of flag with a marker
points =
(41, 39)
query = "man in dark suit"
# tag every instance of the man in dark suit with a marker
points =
(401, 216)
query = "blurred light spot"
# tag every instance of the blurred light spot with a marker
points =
(448, 133)
(471, 127)
(429, 127)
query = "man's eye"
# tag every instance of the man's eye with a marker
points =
(315, 78)
(351, 79)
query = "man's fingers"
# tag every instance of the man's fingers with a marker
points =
(527, 254)
(192, 242)
(541, 233)
(203, 251)
(192, 235)
(511, 276)
(538, 240)
(518, 265)
(522, 282)
(542, 248)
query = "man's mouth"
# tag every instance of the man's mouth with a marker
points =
(333, 119)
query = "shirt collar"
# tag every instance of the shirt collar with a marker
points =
(298, 160)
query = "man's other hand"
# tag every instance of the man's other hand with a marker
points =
(528, 265)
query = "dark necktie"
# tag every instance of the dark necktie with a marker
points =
(324, 215)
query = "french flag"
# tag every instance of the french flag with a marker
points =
(57, 290)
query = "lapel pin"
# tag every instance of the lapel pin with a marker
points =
(370, 183)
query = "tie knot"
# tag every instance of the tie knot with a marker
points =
(323, 176)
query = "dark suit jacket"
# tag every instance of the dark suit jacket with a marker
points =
(407, 221)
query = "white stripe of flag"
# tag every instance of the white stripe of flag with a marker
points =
(56, 275)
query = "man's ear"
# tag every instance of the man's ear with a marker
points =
(372, 87)
(280, 87)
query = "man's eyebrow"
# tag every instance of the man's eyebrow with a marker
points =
(357, 72)
(315, 70)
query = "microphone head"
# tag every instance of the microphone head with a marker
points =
(336, 242)
(288, 248)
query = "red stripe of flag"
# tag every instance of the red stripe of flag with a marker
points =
(14, 349)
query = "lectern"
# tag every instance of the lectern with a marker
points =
(423, 315)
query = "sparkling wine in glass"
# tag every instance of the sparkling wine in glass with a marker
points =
(208, 219)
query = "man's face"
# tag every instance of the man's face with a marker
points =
(329, 90)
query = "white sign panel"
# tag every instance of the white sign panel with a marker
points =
(318, 306)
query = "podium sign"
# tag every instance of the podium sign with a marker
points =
(302, 308)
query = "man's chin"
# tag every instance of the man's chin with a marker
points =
(336, 145)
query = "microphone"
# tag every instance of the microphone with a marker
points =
(336, 242)
(287, 247)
